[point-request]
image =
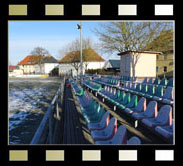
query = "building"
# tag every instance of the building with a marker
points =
(164, 65)
(14, 71)
(48, 63)
(28, 64)
(139, 64)
(70, 64)
(112, 65)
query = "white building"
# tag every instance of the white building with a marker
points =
(139, 64)
(48, 63)
(70, 63)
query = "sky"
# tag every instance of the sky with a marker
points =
(24, 36)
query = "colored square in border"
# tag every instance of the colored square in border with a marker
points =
(54, 10)
(127, 155)
(127, 10)
(91, 155)
(164, 155)
(17, 10)
(54, 155)
(90, 10)
(163, 10)
(18, 155)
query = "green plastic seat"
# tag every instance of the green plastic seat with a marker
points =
(163, 82)
(156, 81)
(150, 92)
(170, 82)
(133, 102)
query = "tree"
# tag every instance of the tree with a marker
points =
(163, 43)
(129, 36)
(73, 49)
(41, 52)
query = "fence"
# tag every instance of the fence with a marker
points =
(45, 132)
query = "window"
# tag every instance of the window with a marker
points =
(156, 69)
(165, 69)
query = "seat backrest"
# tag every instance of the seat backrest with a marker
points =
(127, 99)
(170, 82)
(159, 91)
(122, 95)
(152, 109)
(121, 136)
(151, 89)
(133, 102)
(156, 81)
(163, 82)
(134, 141)
(138, 87)
(150, 80)
(145, 80)
(105, 119)
(133, 87)
(141, 106)
(144, 88)
(112, 127)
(165, 115)
(168, 93)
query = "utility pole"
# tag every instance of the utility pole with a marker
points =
(81, 56)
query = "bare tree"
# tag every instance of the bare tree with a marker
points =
(129, 36)
(41, 52)
(73, 49)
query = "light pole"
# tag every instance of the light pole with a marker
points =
(81, 56)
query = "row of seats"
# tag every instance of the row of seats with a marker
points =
(150, 91)
(164, 82)
(92, 85)
(107, 81)
(160, 121)
(78, 90)
(103, 129)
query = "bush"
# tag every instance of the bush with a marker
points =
(101, 72)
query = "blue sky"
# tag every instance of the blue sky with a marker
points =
(24, 36)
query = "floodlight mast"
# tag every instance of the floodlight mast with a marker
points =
(81, 56)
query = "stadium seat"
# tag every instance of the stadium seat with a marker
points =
(168, 96)
(102, 124)
(134, 141)
(119, 138)
(158, 93)
(133, 103)
(163, 118)
(150, 91)
(156, 81)
(170, 82)
(165, 131)
(106, 133)
(141, 106)
(150, 112)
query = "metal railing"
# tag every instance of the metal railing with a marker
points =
(45, 132)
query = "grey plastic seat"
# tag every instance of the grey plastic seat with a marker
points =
(106, 133)
(165, 131)
(134, 141)
(141, 106)
(150, 112)
(119, 138)
(164, 118)
(102, 124)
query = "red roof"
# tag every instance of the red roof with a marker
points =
(11, 68)
(30, 60)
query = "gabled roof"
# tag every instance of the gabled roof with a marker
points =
(114, 63)
(30, 60)
(11, 68)
(89, 55)
(49, 59)
(149, 52)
